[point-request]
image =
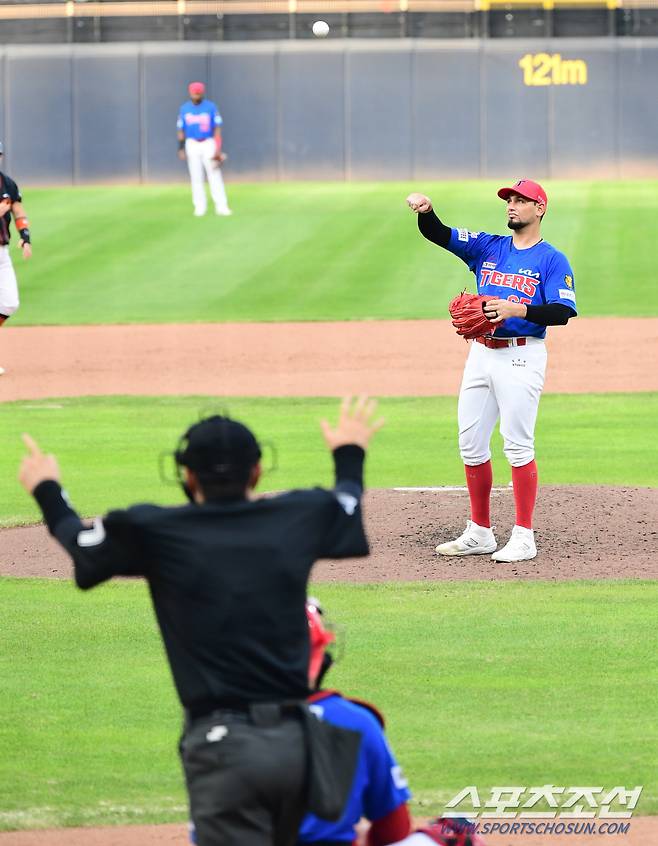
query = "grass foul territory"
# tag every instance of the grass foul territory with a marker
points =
(482, 684)
(109, 447)
(312, 251)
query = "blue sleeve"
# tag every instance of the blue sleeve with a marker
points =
(469, 246)
(387, 788)
(559, 284)
(217, 118)
(180, 123)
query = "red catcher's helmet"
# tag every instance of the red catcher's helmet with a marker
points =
(320, 639)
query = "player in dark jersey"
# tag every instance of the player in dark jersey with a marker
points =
(532, 287)
(11, 203)
(228, 575)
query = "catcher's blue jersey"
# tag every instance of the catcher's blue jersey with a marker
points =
(379, 786)
(199, 120)
(536, 276)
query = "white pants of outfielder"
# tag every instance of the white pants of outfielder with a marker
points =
(505, 383)
(199, 156)
(8, 287)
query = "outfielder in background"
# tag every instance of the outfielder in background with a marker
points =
(11, 203)
(200, 142)
(531, 286)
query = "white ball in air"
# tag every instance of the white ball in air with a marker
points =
(320, 29)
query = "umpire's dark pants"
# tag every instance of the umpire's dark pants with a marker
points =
(245, 779)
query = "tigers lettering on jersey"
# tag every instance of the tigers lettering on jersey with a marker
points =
(199, 120)
(516, 281)
(203, 121)
(534, 276)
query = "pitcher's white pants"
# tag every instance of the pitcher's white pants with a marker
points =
(199, 156)
(8, 286)
(505, 383)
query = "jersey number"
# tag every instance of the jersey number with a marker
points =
(514, 299)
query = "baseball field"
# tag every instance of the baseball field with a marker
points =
(537, 673)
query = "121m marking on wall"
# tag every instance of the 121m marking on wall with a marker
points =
(552, 69)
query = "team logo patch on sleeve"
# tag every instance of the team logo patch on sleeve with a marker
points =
(94, 536)
(566, 294)
(568, 281)
(465, 235)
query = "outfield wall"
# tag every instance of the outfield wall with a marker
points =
(338, 109)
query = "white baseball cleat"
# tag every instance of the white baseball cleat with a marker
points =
(224, 212)
(476, 540)
(520, 547)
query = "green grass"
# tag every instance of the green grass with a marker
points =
(482, 683)
(109, 446)
(310, 251)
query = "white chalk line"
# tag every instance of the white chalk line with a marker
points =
(447, 488)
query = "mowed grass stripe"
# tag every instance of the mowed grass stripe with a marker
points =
(109, 446)
(481, 683)
(308, 251)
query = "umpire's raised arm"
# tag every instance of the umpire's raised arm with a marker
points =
(100, 552)
(348, 441)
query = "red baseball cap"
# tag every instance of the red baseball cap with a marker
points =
(196, 88)
(528, 189)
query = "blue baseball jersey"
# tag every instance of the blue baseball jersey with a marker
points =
(379, 786)
(200, 120)
(536, 276)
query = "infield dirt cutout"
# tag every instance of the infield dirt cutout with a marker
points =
(582, 532)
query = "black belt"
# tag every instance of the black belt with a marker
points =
(259, 713)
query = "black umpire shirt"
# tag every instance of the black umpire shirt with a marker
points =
(228, 580)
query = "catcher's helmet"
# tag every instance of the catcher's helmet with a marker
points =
(321, 637)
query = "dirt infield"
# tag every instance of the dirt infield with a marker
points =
(582, 533)
(392, 358)
(591, 533)
(642, 832)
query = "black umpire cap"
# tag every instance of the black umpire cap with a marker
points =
(219, 447)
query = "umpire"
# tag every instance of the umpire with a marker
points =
(228, 576)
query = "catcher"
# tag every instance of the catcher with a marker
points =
(379, 790)
(524, 285)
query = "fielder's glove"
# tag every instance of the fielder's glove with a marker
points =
(468, 318)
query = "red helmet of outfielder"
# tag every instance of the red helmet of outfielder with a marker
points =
(320, 638)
